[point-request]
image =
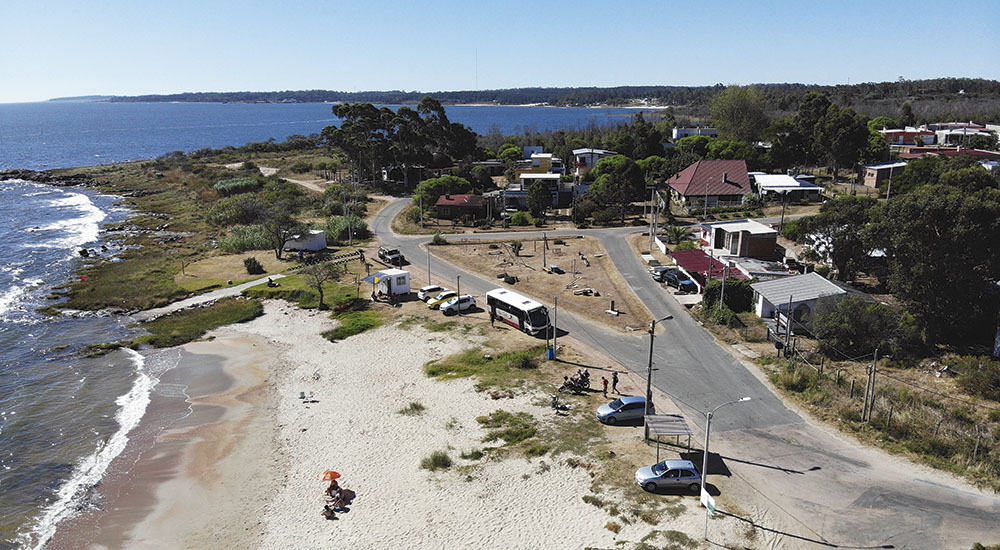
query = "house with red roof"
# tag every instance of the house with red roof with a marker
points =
(720, 182)
(452, 207)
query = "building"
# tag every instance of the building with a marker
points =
(717, 182)
(957, 136)
(701, 267)
(880, 172)
(790, 188)
(681, 133)
(586, 159)
(562, 192)
(540, 163)
(451, 207)
(908, 135)
(743, 238)
(947, 151)
(797, 294)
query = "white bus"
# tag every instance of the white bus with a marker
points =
(516, 310)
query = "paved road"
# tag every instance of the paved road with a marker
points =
(828, 491)
(202, 298)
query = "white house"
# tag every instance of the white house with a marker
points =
(586, 159)
(799, 293)
(770, 185)
(681, 133)
(313, 239)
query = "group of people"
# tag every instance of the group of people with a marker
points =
(334, 497)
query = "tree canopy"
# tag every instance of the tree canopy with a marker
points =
(740, 112)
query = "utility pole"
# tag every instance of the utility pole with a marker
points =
(722, 299)
(649, 375)
(704, 460)
(788, 324)
(545, 245)
(458, 304)
(869, 406)
(428, 264)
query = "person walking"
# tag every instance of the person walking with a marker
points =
(604, 382)
(614, 382)
(493, 317)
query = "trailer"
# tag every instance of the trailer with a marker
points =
(312, 240)
(390, 284)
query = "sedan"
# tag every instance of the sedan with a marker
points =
(679, 281)
(429, 291)
(441, 298)
(626, 407)
(458, 303)
(669, 474)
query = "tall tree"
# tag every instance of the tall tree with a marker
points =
(280, 227)
(839, 137)
(318, 275)
(836, 232)
(539, 198)
(619, 181)
(740, 112)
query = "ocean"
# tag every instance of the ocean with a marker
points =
(67, 421)
(63, 134)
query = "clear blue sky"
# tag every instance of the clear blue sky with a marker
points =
(56, 48)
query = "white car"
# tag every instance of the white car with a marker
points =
(463, 302)
(429, 291)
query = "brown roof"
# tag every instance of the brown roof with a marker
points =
(471, 201)
(692, 180)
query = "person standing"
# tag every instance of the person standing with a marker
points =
(493, 318)
(614, 382)
(604, 382)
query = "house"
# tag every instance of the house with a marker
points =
(540, 163)
(493, 167)
(702, 268)
(562, 192)
(681, 133)
(957, 136)
(880, 172)
(717, 182)
(908, 136)
(451, 207)
(586, 159)
(798, 293)
(312, 240)
(743, 238)
(947, 151)
(788, 187)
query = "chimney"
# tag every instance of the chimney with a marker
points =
(447, 197)
(725, 177)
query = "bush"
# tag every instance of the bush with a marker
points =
(236, 210)
(722, 315)
(243, 238)
(823, 270)
(794, 230)
(512, 428)
(558, 241)
(301, 167)
(739, 295)
(979, 376)
(438, 460)
(412, 214)
(413, 409)
(686, 245)
(520, 218)
(493, 246)
(539, 222)
(607, 216)
(190, 324)
(438, 239)
(854, 326)
(337, 228)
(253, 266)
(235, 186)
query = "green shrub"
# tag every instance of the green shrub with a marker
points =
(823, 270)
(794, 230)
(190, 324)
(438, 239)
(235, 186)
(474, 454)
(301, 167)
(438, 460)
(520, 218)
(607, 216)
(413, 409)
(558, 242)
(686, 245)
(739, 295)
(244, 237)
(337, 228)
(253, 266)
(795, 380)
(539, 222)
(353, 322)
(241, 209)
(493, 246)
(512, 428)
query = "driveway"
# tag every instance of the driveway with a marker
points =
(826, 490)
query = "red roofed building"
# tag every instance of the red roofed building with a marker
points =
(944, 151)
(451, 207)
(722, 182)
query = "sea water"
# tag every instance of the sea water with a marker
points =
(63, 417)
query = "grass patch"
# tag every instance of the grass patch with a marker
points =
(97, 350)
(438, 460)
(353, 322)
(190, 324)
(474, 454)
(415, 408)
(502, 370)
(512, 428)
(613, 526)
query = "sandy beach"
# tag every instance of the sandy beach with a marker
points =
(241, 471)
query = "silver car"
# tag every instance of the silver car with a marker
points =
(669, 474)
(626, 407)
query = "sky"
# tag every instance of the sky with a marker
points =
(58, 48)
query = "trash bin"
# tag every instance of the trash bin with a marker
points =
(552, 354)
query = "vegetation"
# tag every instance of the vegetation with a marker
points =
(415, 408)
(438, 460)
(739, 295)
(854, 326)
(740, 112)
(190, 324)
(253, 266)
(511, 428)
(503, 370)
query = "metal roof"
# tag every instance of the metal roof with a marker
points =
(782, 181)
(751, 226)
(547, 176)
(799, 288)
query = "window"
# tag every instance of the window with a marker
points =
(400, 281)
(673, 474)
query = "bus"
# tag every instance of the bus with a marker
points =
(518, 311)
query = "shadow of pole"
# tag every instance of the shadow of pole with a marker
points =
(819, 542)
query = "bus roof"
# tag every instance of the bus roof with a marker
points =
(513, 298)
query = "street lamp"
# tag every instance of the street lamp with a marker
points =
(704, 462)
(649, 375)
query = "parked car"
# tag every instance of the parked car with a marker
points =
(669, 474)
(679, 281)
(658, 272)
(390, 255)
(440, 298)
(626, 407)
(458, 303)
(429, 291)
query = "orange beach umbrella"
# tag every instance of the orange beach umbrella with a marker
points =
(329, 475)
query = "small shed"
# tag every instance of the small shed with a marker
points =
(313, 239)
(797, 295)
(390, 282)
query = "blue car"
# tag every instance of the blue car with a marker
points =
(626, 407)
(679, 281)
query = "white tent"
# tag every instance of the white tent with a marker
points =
(313, 239)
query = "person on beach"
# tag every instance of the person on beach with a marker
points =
(614, 382)
(604, 382)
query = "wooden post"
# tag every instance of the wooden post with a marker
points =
(888, 420)
(852, 388)
(838, 376)
(976, 450)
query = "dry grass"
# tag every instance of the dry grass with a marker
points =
(602, 276)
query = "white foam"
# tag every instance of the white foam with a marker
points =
(90, 469)
(10, 296)
(81, 230)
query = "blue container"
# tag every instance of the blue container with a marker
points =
(552, 354)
